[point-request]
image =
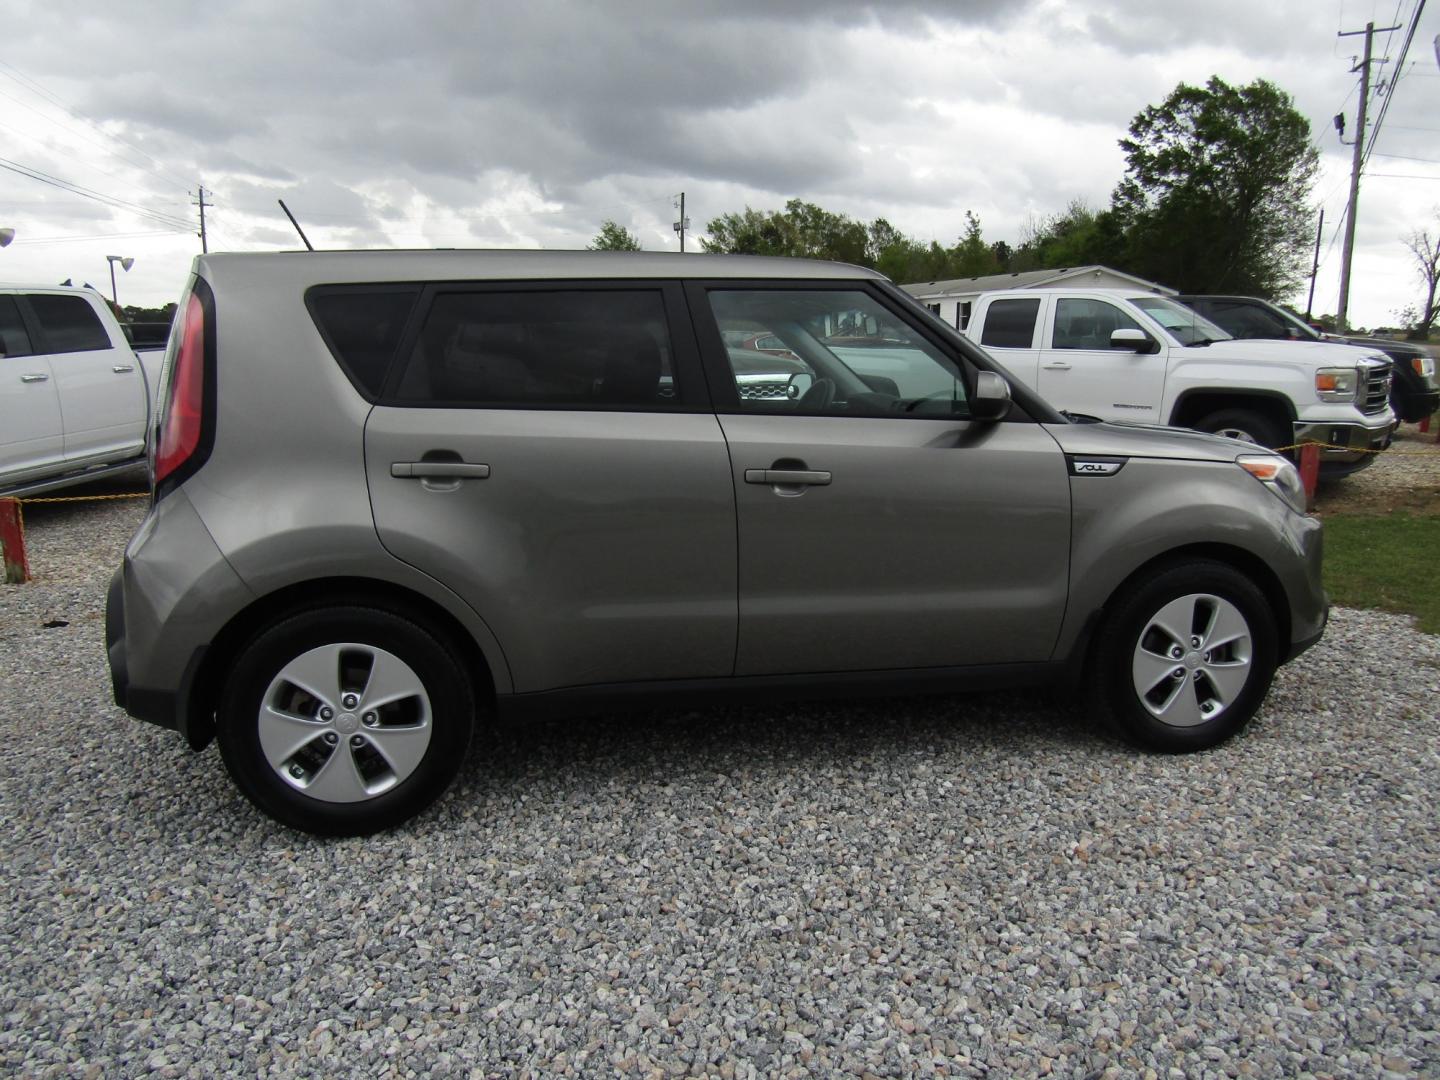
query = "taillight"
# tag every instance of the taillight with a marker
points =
(184, 420)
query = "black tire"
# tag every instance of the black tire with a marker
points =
(1250, 425)
(1127, 628)
(449, 719)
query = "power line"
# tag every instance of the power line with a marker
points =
(1390, 93)
(96, 236)
(1407, 157)
(158, 216)
(14, 73)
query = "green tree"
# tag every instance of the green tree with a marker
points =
(971, 256)
(1217, 187)
(614, 237)
(1078, 236)
(802, 230)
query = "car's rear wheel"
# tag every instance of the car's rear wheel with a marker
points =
(1185, 656)
(345, 720)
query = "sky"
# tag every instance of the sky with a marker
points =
(461, 123)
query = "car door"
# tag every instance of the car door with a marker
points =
(99, 381)
(1082, 372)
(549, 453)
(32, 434)
(1008, 333)
(879, 527)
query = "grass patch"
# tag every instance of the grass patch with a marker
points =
(1389, 562)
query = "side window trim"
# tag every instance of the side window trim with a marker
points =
(26, 325)
(687, 370)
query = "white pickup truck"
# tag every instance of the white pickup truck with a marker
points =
(1121, 355)
(75, 398)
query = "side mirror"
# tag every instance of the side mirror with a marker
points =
(1134, 340)
(798, 385)
(992, 397)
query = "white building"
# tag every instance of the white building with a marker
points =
(950, 300)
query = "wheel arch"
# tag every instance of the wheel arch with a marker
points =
(1237, 558)
(1197, 402)
(198, 715)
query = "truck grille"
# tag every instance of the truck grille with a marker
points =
(1376, 392)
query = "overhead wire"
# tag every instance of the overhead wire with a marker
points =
(158, 216)
(1394, 79)
(16, 75)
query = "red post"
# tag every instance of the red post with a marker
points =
(12, 543)
(1310, 469)
(1424, 425)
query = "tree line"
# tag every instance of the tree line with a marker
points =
(1215, 198)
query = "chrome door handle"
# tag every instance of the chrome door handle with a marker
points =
(123, 369)
(34, 378)
(1059, 365)
(448, 470)
(813, 477)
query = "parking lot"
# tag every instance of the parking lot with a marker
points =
(965, 886)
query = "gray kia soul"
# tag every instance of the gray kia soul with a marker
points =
(399, 492)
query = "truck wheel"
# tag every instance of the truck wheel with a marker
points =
(1247, 425)
(345, 720)
(1185, 656)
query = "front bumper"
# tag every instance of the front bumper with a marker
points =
(1346, 443)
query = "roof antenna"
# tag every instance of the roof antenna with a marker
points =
(308, 246)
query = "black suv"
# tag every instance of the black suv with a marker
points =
(1414, 393)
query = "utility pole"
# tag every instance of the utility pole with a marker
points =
(200, 202)
(1356, 161)
(683, 223)
(1315, 264)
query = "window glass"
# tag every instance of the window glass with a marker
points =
(962, 314)
(69, 323)
(1184, 325)
(14, 339)
(597, 349)
(1087, 324)
(362, 326)
(1253, 321)
(839, 352)
(1010, 324)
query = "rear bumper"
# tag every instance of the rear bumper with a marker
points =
(159, 707)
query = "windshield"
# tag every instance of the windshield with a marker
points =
(1185, 326)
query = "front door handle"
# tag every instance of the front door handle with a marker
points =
(808, 477)
(442, 470)
(1058, 365)
(123, 369)
(34, 377)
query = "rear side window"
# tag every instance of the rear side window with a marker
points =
(14, 338)
(363, 326)
(1010, 324)
(68, 323)
(600, 349)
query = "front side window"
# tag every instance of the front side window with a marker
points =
(1087, 324)
(1010, 324)
(68, 323)
(839, 352)
(14, 338)
(1184, 325)
(597, 349)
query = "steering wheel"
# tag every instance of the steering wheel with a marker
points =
(818, 397)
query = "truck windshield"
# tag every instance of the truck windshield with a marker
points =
(1185, 326)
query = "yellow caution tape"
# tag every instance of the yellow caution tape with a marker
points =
(87, 498)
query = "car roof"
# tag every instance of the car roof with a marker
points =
(316, 267)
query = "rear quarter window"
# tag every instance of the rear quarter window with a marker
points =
(363, 325)
(68, 323)
(1010, 324)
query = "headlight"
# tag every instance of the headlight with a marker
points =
(1336, 383)
(1278, 475)
(1424, 366)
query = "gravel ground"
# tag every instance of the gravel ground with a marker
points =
(1406, 477)
(981, 886)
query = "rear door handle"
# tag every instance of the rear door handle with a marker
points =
(1059, 365)
(123, 369)
(447, 470)
(34, 378)
(813, 477)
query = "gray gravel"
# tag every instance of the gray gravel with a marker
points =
(955, 886)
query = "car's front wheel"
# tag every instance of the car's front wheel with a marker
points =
(345, 720)
(1185, 656)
